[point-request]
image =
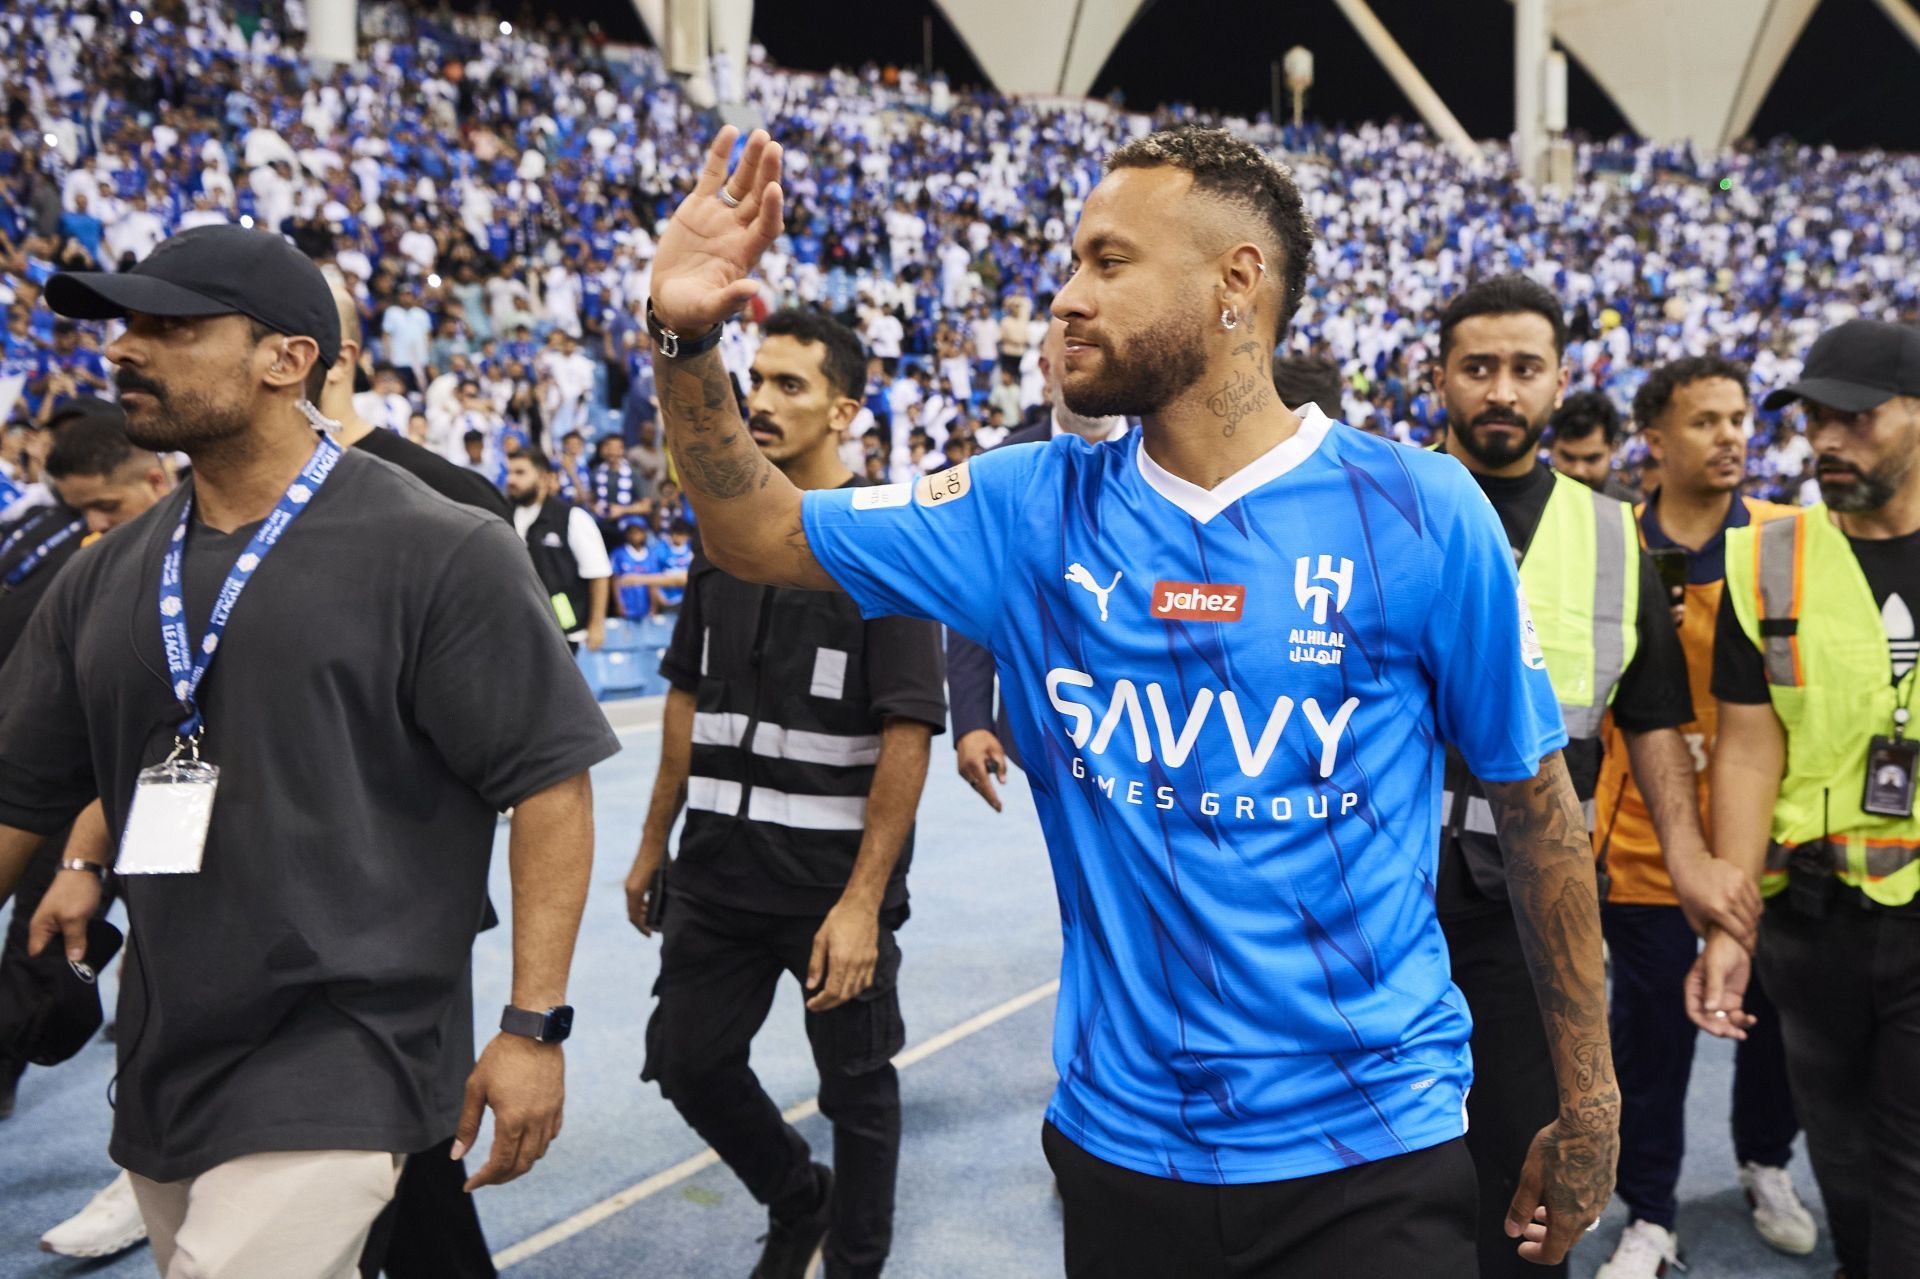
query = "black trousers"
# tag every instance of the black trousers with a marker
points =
(1847, 987)
(1514, 1092)
(1401, 1218)
(430, 1229)
(719, 968)
(1652, 949)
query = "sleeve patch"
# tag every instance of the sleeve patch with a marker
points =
(945, 486)
(882, 497)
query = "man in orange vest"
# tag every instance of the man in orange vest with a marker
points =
(1694, 416)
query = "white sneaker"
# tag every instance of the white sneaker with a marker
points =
(1644, 1252)
(109, 1223)
(1782, 1220)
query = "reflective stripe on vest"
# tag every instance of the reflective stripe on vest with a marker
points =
(1582, 580)
(1777, 548)
(1804, 603)
(1879, 857)
(1479, 815)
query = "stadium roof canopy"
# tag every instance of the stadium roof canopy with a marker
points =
(1694, 71)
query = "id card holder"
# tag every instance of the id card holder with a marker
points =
(167, 825)
(1891, 763)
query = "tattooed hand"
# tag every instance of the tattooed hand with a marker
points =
(1567, 1179)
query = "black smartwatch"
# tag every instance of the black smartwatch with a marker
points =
(550, 1027)
(673, 345)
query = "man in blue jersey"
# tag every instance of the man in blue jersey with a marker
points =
(1234, 644)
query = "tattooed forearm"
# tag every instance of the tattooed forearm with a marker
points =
(1543, 836)
(738, 495)
(1550, 879)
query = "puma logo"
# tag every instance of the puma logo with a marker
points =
(1079, 576)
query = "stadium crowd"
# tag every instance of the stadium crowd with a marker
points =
(492, 197)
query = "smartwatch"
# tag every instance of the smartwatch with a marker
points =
(550, 1027)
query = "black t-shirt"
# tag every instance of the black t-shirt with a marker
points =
(469, 488)
(1892, 569)
(389, 681)
(18, 601)
(792, 662)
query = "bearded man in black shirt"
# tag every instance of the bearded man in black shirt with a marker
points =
(318, 921)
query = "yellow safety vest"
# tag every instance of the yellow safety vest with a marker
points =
(1582, 578)
(1802, 599)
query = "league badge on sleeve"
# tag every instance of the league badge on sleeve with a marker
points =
(945, 486)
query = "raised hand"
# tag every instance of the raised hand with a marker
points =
(716, 236)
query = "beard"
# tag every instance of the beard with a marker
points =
(1497, 453)
(183, 422)
(1862, 490)
(1142, 372)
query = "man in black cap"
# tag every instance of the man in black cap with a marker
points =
(282, 727)
(1813, 789)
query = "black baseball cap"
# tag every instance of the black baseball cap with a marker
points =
(212, 270)
(1858, 366)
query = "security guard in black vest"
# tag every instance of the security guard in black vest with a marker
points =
(796, 737)
(568, 551)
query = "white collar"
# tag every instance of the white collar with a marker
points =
(1055, 430)
(1204, 504)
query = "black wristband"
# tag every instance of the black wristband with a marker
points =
(673, 345)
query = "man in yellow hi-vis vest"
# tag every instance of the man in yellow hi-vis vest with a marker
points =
(1813, 789)
(1606, 640)
(1694, 415)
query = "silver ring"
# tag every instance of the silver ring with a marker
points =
(728, 198)
(1595, 1226)
(1719, 1012)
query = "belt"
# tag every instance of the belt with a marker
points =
(1478, 817)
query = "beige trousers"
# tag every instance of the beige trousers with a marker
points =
(292, 1215)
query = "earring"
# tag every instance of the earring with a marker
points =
(1229, 318)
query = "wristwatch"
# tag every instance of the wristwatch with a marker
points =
(550, 1027)
(673, 345)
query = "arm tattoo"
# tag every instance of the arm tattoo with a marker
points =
(704, 429)
(1550, 879)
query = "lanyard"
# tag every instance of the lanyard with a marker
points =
(188, 668)
(34, 558)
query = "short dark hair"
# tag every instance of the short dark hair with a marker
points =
(471, 437)
(1308, 379)
(1504, 295)
(1238, 173)
(528, 454)
(680, 526)
(844, 361)
(92, 444)
(1583, 414)
(1651, 400)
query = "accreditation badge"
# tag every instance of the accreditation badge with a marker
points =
(166, 830)
(1890, 770)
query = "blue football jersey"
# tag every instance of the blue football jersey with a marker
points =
(1233, 704)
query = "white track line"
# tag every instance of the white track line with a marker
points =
(588, 1218)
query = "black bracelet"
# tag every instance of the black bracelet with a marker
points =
(674, 346)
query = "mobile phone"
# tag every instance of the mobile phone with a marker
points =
(1671, 564)
(657, 898)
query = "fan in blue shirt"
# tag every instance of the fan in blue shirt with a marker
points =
(1233, 646)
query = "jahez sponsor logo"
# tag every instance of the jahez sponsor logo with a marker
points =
(1198, 601)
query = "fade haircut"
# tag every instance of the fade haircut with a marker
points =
(93, 444)
(1503, 295)
(1585, 413)
(843, 361)
(1236, 173)
(1309, 379)
(1656, 393)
